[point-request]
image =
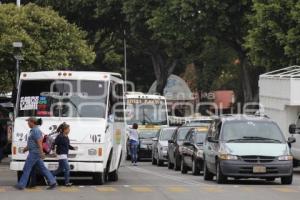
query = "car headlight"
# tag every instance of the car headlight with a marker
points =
(285, 158)
(143, 146)
(164, 148)
(200, 153)
(228, 157)
(21, 150)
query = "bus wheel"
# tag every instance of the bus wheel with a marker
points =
(99, 178)
(113, 176)
(19, 175)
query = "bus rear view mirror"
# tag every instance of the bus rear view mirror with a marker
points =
(292, 128)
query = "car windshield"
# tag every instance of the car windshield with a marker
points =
(146, 112)
(62, 98)
(166, 134)
(147, 134)
(182, 132)
(200, 137)
(252, 131)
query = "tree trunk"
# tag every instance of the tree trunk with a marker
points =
(245, 79)
(162, 70)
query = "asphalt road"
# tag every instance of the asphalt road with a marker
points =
(149, 182)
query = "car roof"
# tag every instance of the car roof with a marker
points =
(240, 117)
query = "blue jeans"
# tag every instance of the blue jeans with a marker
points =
(63, 166)
(133, 151)
(32, 160)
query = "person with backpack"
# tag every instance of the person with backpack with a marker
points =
(62, 144)
(134, 142)
(35, 156)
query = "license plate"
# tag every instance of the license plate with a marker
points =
(52, 167)
(259, 169)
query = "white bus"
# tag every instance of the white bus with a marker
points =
(150, 112)
(92, 103)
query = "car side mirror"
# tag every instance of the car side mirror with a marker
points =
(155, 139)
(291, 140)
(170, 141)
(292, 128)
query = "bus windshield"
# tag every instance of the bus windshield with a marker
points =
(62, 98)
(146, 111)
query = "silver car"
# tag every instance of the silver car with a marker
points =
(160, 145)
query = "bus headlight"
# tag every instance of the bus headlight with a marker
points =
(285, 158)
(92, 152)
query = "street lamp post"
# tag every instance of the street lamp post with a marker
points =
(18, 3)
(18, 57)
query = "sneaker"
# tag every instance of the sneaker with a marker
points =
(135, 164)
(17, 187)
(68, 184)
(51, 187)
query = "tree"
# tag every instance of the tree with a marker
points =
(163, 44)
(210, 20)
(273, 40)
(49, 41)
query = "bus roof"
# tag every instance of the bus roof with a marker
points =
(140, 95)
(70, 75)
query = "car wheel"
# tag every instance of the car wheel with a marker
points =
(207, 175)
(288, 180)
(154, 161)
(219, 176)
(177, 164)
(195, 168)
(160, 162)
(183, 167)
(170, 165)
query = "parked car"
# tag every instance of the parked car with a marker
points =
(192, 150)
(160, 145)
(175, 147)
(241, 146)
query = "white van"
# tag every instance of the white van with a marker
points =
(91, 103)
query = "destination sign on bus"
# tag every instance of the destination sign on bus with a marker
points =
(144, 101)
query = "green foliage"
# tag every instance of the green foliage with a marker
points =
(273, 42)
(49, 41)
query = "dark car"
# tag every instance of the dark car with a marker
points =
(242, 146)
(145, 144)
(175, 147)
(192, 150)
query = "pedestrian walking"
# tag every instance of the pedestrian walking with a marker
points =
(35, 156)
(62, 144)
(134, 142)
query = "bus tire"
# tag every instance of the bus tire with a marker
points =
(19, 175)
(99, 178)
(113, 176)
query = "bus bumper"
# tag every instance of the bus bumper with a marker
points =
(75, 166)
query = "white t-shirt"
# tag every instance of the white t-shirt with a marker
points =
(133, 135)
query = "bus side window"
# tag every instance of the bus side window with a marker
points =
(117, 102)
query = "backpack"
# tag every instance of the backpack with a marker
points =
(48, 142)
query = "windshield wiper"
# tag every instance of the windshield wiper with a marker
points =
(261, 138)
(236, 140)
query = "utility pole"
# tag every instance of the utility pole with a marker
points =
(125, 62)
(18, 3)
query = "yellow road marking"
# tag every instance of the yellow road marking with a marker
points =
(212, 189)
(36, 189)
(285, 190)
(106, 189)
(177, 189)
(68, 189)
(141, 189)
(2, 190)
